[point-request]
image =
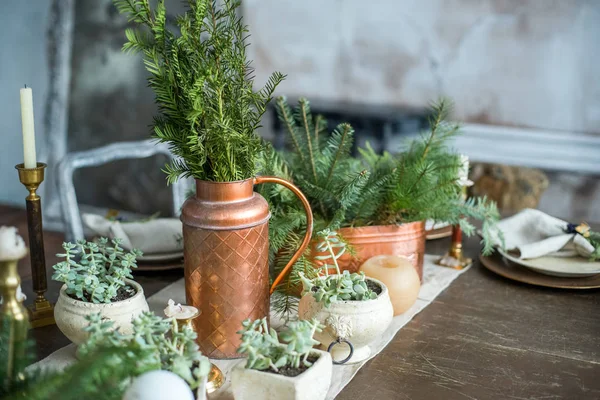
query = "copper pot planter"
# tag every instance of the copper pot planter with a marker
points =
(401, 240)
(226, 248)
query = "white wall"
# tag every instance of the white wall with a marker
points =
(530, 63)
(22, 61)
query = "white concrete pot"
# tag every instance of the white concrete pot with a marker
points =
(70, 314)
(357, 322)
(312, 384)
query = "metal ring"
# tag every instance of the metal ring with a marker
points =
(338, 341)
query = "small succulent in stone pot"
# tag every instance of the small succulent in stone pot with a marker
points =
(281, 365)
(345, 286)
(97, 279)
(354, 309)
(289, 350)
(96, 272)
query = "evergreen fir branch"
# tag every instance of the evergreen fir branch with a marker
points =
(102, 377)
(203, 84)
(338, 147)
(320, 125)
(305, 118)
(286, 116)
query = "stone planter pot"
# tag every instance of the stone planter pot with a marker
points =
(70, 313)
(355, 323)
(312, 384)
(406, 240)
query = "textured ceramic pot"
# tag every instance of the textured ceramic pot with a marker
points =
(312, 384)
(70, 313)
(357, 322)
(226, 251)
(407, 240)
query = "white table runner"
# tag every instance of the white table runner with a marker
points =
(435, 280)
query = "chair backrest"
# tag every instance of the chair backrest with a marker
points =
(59, 44)
(102, 155)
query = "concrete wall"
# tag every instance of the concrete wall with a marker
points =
(510, 62)
(526, 63)
(22, 61)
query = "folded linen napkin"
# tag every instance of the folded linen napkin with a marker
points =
(160, 235)
(533, 234)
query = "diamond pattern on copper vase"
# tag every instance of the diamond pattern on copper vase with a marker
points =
(227, 279)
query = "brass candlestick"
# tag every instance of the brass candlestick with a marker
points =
(215, 378)
(455, 258)
(42, 311)
(13, 313)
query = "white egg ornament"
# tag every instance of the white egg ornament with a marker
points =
(158, 385)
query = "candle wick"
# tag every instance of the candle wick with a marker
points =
(25, 86)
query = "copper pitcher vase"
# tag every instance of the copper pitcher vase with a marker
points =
(226, 252)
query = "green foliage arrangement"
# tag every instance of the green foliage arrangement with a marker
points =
(594, 240)
(102, 376)
(422, 182)
(165, 346)
(107, 362)
(340, 286)
(96, 272)
(22, 352)
(592, 237)
(268, 351)
(204, 87)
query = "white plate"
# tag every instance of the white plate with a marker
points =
(567, 267)
(161, 257)
(431, 225)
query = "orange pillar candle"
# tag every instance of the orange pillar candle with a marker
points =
(400, 277)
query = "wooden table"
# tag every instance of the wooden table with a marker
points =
(485, 337)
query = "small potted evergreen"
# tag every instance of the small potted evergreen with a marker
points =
(378, 203)
(355, 309)
(97, 279)
(281, 366)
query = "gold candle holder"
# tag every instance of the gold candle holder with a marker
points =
(215, 378)
(15, 315)
(42, 311)
(455, 258)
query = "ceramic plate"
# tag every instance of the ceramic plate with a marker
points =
(431, 225)
(510, 270)
(161, 257)
(439, 233)
(565, 267)
(437, 230)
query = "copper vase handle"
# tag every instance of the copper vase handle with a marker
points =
(309, 223)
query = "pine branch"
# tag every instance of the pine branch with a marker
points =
(287, 118)
(303, 114)
(341, 142)
(203, 86)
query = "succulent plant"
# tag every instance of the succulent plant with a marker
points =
(160, 340)
(341, 286)
(268, 350)
(94, 272)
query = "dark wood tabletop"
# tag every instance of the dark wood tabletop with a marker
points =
(485, 337)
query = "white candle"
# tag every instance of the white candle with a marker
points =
(463, 172)
(28, 128)
(12, 246)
